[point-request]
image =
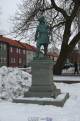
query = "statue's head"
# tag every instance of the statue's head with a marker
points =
(41, 19)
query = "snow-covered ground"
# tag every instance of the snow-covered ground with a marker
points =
(69, 70)
(32, 112)
(66, 78)
(13, 82)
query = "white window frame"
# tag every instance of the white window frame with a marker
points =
(2, 60)
(20, 60)
(11, 49)
(17, 50)
(1, 46)
(24, 51)
(4, 46)
(13, 60)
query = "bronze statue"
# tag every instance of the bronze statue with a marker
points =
(42, 35)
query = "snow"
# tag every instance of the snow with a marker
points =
(69, 70)
(33, 112)
(13, 82)
(58, 98)
(66, 78)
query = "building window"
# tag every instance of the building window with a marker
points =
(11, 49)
(2, 46)
(2, 60)
(5, 60)
(24, 51)
(19, 51)
(20, 61)
(16, 50)
(13, 60)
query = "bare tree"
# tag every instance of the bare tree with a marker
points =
(61, 15)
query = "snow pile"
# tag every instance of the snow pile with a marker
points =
(69, 70)
(13, 82)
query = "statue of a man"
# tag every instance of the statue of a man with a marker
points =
(42, 35)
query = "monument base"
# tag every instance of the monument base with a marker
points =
(43, 90)
(59, 101)
(42, 79)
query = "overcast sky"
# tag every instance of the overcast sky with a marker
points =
(8, 8)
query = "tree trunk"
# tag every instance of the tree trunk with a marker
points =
(57, 68)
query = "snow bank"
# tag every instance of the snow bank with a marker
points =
(13, 82)
(69, 70)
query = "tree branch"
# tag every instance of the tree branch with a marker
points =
(74, 41)
(61, 23)
(74, 12)
(59, 9)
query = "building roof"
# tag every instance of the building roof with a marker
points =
(27, 46)
(10, 41)
(17, 43)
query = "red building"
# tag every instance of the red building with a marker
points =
(16, 54)
(30, 52)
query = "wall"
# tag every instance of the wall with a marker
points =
(3, 54)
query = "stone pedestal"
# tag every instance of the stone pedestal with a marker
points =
(43, 90)
(42, 80)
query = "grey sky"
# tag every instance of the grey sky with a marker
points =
(8, 8)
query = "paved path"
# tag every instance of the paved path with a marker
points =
(67, 79)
